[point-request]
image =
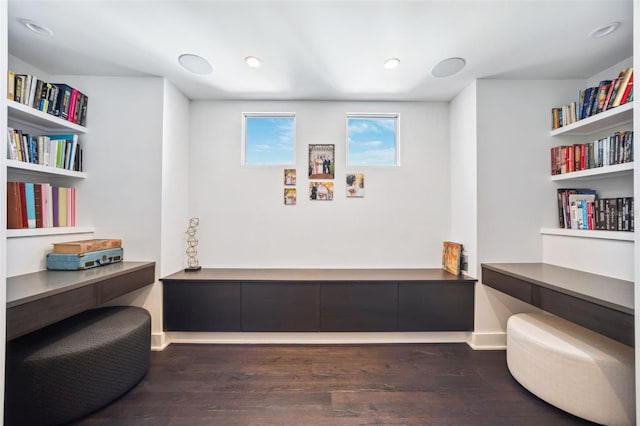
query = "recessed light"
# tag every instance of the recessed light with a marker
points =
(604, 30)
(253, 62)
(196, 64)
(391, 63)
(36, 28)
(448, 67)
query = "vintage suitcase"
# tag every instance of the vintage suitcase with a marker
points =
(79, 262)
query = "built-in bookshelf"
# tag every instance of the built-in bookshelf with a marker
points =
(616, 119)
(38, 122)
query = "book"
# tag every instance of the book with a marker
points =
(603, 90)
(627, 92)
(452, 257)
(37, 192)
(14, 212)
(63, 99)
(623, 86)
(31, 204)
(11, 85)
(85, 246)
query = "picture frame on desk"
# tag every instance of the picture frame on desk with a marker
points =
(452, 257)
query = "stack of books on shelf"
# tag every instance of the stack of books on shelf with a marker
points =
(608, 151)
(40, 205)
(594, 100)
(582, 209)
(58, 99)
(84, 254)
(60, 151)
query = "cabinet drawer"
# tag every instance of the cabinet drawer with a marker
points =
(361, 306)
(201, 306)
(270, 306)
(435, 306)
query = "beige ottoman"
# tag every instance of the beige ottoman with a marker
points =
(575, 369)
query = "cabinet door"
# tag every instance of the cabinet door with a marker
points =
(201, 306)
(361, 306)
(436, 306)
(280, 306)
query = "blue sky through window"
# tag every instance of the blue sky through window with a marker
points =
(269, 140)
(372, 141)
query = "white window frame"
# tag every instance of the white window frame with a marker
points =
(243, 150)
(368, 115)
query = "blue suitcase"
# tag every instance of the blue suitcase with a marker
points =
(80, 262)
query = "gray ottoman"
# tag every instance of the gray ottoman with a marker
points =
(74, 367)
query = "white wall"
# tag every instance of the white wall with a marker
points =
(3, 201)
(515, 194)
(463, 171)
(175, 195)
(636, 194)
(123, 159)
(401, 221)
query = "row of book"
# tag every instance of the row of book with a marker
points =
(582, 209)
(40, 205)
(60, 151)
(58, 99)
(615, 149)
(594, 100)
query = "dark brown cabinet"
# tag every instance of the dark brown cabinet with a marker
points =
(202, 306)
(435, 306)
(359, 306)
(268, 306)
(318, 300)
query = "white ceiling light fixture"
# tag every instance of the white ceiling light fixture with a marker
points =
(391, 63)
(196, 64)
(36, 28)
(448, 67)
(253, 62)
(604, 30)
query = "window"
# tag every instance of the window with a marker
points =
(372, 140)
(269, 138)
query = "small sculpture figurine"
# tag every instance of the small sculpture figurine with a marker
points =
(192, 243)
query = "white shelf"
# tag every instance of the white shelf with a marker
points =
(583, 233)
(599, 122)
(40, 170)
(31, 117)
(38, 232)
(597, 173)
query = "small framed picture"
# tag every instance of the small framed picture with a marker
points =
(321, 161)
(290, 177)
(320, 191)
(290, 196)
(355, 185)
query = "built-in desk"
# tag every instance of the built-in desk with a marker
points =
(318, 300)
(41, 298)
(601, 303)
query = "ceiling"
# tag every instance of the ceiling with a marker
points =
(324, 50)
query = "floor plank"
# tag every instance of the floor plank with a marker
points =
(399, 384)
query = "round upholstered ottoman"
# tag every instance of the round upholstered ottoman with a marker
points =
(73, 367)
(575, 369)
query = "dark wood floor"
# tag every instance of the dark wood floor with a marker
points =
(401, 384)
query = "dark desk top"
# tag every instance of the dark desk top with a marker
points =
(26, 288)
(605, 291)
(302, 274)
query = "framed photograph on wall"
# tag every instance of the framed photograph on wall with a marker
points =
(290, 196)
(290, 177)
(321, 161)
(355, 185)
(320, 191)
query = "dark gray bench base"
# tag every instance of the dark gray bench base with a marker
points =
(74, 367)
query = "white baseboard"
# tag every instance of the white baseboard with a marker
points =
(159, 341)
(488, 341)
(311, 338)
